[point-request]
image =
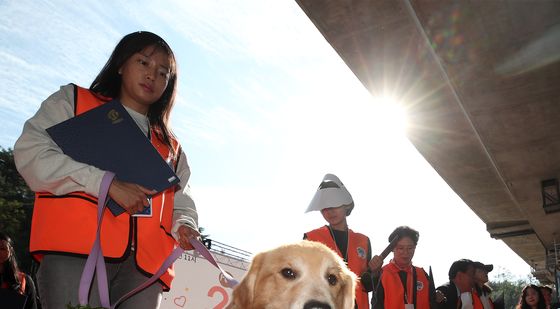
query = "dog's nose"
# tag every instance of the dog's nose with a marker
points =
(313, 304)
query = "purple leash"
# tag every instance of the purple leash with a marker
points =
(95, 261)
(175, 254)
(198, 246)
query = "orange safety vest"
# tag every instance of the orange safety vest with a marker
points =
(394, 290)
(357, 256)
(67, 223)
(477, 303)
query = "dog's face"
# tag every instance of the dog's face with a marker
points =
(304, 275)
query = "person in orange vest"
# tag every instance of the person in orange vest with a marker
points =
(400, 284)
(16, 287)
(141, 74)
(335, 203)
(481, 291)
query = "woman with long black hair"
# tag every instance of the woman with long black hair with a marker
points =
(14, 282)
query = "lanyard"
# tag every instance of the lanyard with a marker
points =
(410, 288)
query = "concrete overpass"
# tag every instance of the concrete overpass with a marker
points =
(481, 82)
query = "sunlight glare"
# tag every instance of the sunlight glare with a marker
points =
(390, 114)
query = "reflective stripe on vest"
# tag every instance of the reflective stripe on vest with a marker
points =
(67, 223)
(394, 290)
(357, 256)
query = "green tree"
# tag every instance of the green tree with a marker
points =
(16, 207)
(12, 184)
(12, 217)
(509, 288)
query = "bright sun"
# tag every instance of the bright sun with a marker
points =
(391, 114)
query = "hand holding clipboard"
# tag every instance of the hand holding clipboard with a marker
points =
(108, 138)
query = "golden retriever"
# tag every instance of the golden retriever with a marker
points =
(303, 275)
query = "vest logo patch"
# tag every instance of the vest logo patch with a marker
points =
(361, 253)
(419, 285)
(114, 116)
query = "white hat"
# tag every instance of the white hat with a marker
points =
(331, 193)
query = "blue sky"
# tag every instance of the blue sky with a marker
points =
(265, 108)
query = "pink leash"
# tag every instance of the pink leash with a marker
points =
(95, 261)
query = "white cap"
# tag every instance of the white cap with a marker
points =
(331, 193)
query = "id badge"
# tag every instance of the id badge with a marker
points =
(408, 306)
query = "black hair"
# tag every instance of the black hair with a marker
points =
(11, 270)
(461, 265)
(405, 231)
(523, 303)
(108, 81)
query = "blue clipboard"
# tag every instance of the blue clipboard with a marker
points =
(108, 138)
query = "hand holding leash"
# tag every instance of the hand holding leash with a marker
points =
(185, 234)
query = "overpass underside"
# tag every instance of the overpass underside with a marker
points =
(481, 84)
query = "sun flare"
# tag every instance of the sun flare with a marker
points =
(391, 114)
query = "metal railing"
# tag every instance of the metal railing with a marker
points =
(218, 247)
(226, 254)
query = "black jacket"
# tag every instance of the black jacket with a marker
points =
(450, 291)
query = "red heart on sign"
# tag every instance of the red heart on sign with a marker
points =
(180, 301)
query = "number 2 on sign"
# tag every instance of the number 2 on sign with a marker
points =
(225, 297)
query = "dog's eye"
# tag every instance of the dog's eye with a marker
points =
(288, 273)
(332, 279)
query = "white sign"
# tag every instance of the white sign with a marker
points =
(199, 285)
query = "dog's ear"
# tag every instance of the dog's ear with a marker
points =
(244, 293)
(346, 294)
